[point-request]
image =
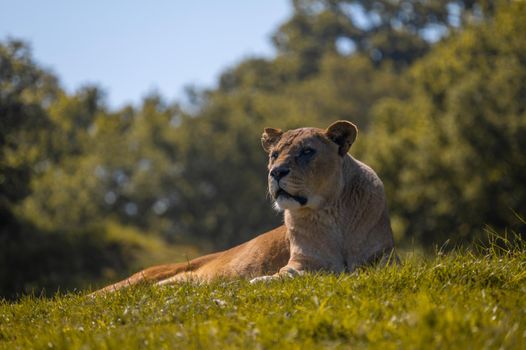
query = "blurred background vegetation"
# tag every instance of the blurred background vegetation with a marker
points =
(437, 88)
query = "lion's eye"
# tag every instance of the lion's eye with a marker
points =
(274, 155)
(307, 152)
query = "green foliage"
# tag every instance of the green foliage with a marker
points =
(37, 261)
(385, 31)
(34, 260)
(453, 301)
(451, 154)
(24, 89)
(55, 226)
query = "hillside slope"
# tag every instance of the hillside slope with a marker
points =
(456, 300)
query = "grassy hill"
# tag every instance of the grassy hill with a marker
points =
(462, 300)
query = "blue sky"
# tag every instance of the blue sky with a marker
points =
(130, 48)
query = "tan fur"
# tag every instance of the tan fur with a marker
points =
(335, 212)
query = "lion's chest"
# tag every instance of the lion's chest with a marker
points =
(317, 246)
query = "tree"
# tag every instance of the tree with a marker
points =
(53, 220)
(452, 154)
(24, 89)
(398, 32)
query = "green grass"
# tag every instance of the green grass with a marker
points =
(456, 300)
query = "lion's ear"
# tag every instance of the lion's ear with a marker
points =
(270, 137)
(343, 133)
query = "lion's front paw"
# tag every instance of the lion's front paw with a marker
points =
(264, 279)
(289, 272)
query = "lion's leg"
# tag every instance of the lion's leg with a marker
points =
(148, 275)
(284, 272)
(160, 273)
(181, 277)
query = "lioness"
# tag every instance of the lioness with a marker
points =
(335, 211)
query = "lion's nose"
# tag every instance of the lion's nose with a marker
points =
(279, 172)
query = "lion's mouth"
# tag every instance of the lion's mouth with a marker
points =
(284, 194)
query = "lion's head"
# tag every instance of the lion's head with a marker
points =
(305, 165)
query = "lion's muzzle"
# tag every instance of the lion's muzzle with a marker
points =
(282, 193)
(279, 172)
